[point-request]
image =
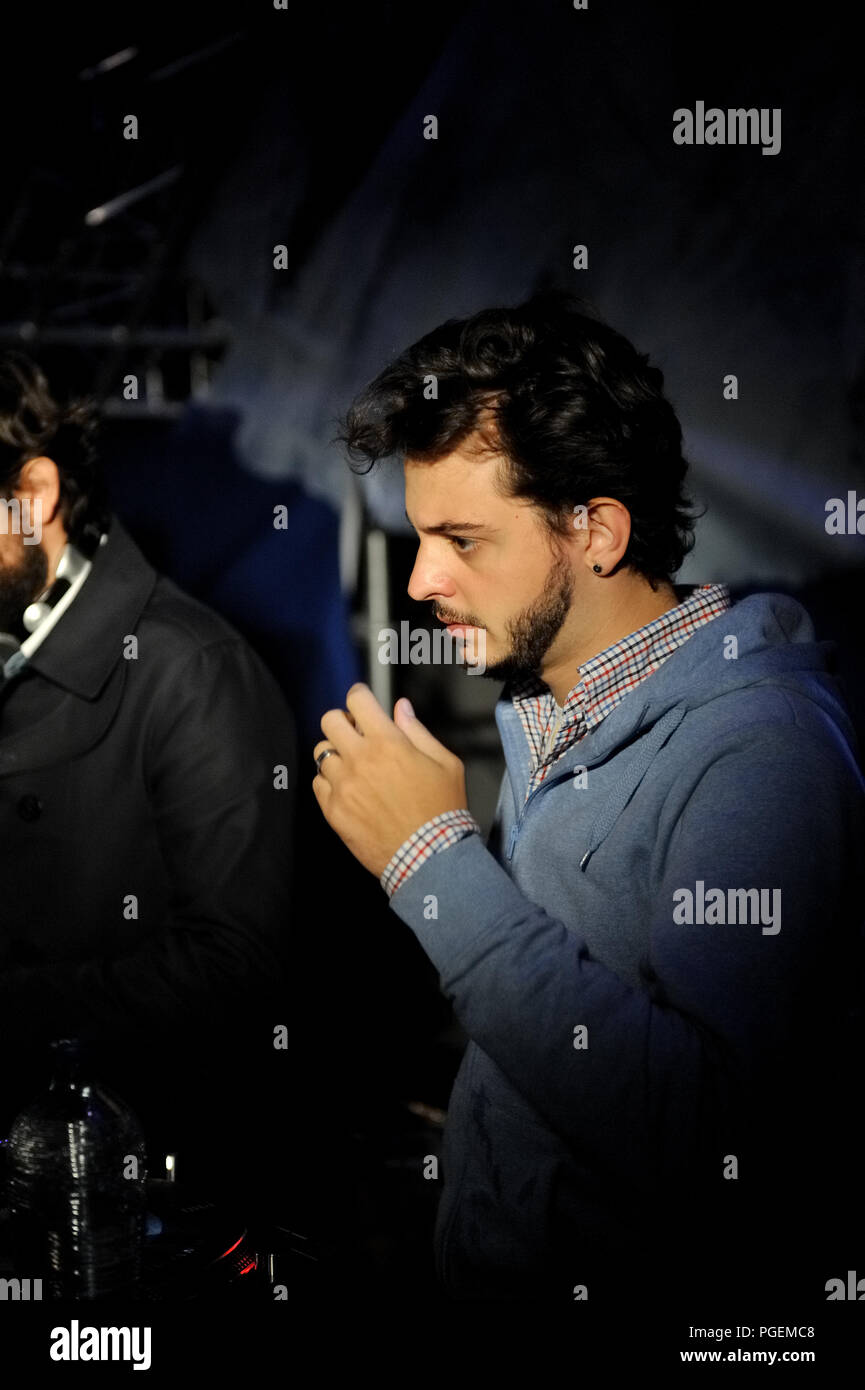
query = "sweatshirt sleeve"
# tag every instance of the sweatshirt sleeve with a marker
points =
(657, 1091)
(434, 835)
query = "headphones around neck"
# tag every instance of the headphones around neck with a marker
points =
(40, 616)
(70, 565)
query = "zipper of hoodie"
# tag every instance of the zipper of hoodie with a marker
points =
(518, 823)
(638, 733)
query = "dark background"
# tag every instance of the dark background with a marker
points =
(303, 128)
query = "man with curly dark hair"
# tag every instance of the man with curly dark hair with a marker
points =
(147, 759)
(671, 891)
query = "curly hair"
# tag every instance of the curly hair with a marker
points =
(33, 423)
(570, 405)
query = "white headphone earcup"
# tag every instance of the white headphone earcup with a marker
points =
(34, 614)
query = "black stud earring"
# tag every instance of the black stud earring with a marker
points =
(597, 569)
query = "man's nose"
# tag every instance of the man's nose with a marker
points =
(428, 580)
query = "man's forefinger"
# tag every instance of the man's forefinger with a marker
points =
(368, 714)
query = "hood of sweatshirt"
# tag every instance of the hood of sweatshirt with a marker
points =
(775, 644)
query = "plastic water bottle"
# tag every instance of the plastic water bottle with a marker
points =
(76, 1185)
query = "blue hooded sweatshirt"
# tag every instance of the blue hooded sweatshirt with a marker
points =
(654, 1058)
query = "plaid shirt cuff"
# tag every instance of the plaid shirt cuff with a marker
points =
(441, 832)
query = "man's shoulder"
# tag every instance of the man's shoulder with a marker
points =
(193, 667)
(131, 594)
(182, 624)
(799, 726)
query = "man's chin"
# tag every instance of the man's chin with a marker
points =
(21, 580)
(505, 669)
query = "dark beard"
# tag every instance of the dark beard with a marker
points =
(20, 585)
(532, 632)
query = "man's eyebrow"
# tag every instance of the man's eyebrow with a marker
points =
(455, 528)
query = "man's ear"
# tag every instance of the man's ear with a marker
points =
(40, 478)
